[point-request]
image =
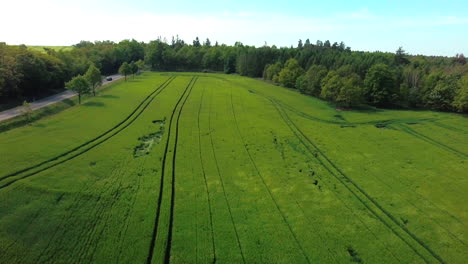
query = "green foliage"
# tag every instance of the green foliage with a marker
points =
(443, 93)
(230, 64)
(196, 43)
(291, 71)
(351, 93)
(331, 86)
(126, 69)
(213, 59)
(301, 83)
(461, 98)
(272, 71)
(380, 85)
(32, 73)
(93, 76)
(313, 79)
(80, 85)
(342, 87)
(133, 68)
(140, 64)
(154, 54)
(400, 55)
(207, 43)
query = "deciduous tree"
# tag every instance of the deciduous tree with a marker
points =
(125, 69)
(313, 78)
(80, 85)
(331, 86)
(291, 71)
(94, 78)
(461, 97)
(380, 85)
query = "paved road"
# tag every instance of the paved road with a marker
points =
(10, 113)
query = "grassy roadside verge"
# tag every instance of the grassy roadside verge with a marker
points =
(49, 110)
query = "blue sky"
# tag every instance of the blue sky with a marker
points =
(421, 27)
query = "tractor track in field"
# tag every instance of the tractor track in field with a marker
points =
(25, 227)
(451, 128)
(105, 214)
(265, 185)
(429, 140)
(222, 185)
(108, 196)
(204, 178)
(336, 122)
(76, 201)
(344, 179)
(396, 122)
(174, 156)
(350, 185)
(411, 203)
(60, 226)
(312, 224)
(101, 209)
(351, 210)
(339, 198)
(161, 185)
(123, 231)
(374, 122)
(347, 206)
(133, 116)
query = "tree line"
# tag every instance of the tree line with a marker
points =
(328, 70)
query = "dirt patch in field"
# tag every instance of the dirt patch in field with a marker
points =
(148, 141)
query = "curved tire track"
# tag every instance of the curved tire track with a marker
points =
(109, 133)
(357, 191)
(429, 140)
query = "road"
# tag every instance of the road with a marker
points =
(13, 112)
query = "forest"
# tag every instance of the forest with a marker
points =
(331, 71)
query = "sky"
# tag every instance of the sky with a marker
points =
(420, 27)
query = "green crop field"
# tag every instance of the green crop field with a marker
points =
(212, 168)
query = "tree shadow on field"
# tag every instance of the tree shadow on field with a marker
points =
(363, 109)
(69, 102)
(39, 125)
(94, 104)
(109, 96)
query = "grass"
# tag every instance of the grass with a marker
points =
(53, 109)
(38, 114)
(56, 48)
(186, 168)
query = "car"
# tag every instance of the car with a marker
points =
(109, 78)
